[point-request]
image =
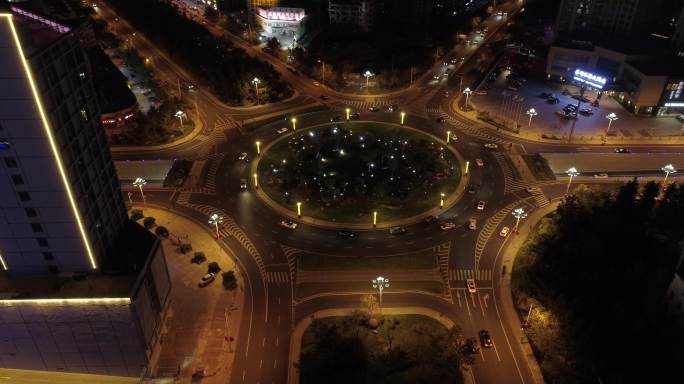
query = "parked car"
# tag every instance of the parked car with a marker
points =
(441, 120)
(504, 231)
(485, 339)
(481, 92)
(289, 224)
(392, 108)
(447, 226)
(479, 162)
(680, 118)
(397, 230)
(472, 223)
(491, 146)
(470, 284)
(480, 205)
(553, 100)
(586, 111)
(207, 279)
(471, 189)
(545, 95)
(282, 130)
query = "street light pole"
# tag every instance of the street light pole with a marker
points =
(216, 220)
(179, 115)
(403, 114)
(256, 181)
(531, 113)
(441, 200)
(572, 172)
(375, 218)
(256, 83)
(611, 117)
(258, 147)
(518, 213)
(668, 169)
(347, 110)
(368, 74)
(294, 123)
(139, 182)
(448, 139)
(467, 92)
(380, 283)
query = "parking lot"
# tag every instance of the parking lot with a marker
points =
(509, 106)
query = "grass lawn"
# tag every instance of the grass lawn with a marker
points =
(389, 175)
(318, 262)
(309, 289)
(539, 167)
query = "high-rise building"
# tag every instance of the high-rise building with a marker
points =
(607, 17)
(678, 36)
(60, 202)
(357, 12)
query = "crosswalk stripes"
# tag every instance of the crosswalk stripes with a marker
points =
(442, 251)
(540, 198)
(183, 198)
(434, 111)
(489, 228)
(511, 181)
(200, 190)
(473, 130)
(277, 277)
(463, 274)
(210, 178)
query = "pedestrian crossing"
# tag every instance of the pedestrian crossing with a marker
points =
(489, 229)
(443, 251)
(210, 178)
(217, 135)
(200, 190)
(540, 198)
(512, 181)
(277, 277)
(463, 274)
(473, 130)
(364, 105)
(184, 198)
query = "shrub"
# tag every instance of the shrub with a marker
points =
(213, 267)
(185, 248)
(229, 280)
(198, 258)
(149, 222)
(161, 231)
(136, 214)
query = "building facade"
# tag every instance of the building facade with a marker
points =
(361, 12)
(613, 17)
(61, 202)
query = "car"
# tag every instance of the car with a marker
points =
(570, 108)
(480, 205)
(680, 118)
(491, 146)
(504, 231)
(392, 108)
(335, 118)
(190, 87)
(446, 93)
(355, 116)
(436, 77)
(397, 230)
(470, 284)
(552, 100)
(441, 120)
(431, 219)
(447, 226)
(569, 116)
(471, 189)
(346, 234)
(586, 111)
(622, 150)
(243, 184)
(472, 345)
(545, 95)
(289, 224)
(282, 130)
(485, 339)
(243, 156)
(453, 61)
(481, 92)
(324, 97)
(472, 223)
(565, 92)
(374, 108)
(479, 162)
(532, 189)
(207, 279)
(316, 83)
(601, 175)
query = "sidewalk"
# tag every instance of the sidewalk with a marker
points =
(367, 275)
(504, 289)
(200, 318)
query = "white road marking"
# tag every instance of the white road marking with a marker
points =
(275, 364)
(277, 341)
(481, 307)
(496, 351)
(261, 362)
(263, 342)
(458, 296)
(472, 298)
(243, 374)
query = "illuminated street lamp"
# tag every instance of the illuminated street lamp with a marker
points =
(518, 213)
(668, 169)
(258, 146)
(611, 117)
(180, 115)
(256, 180)
(299, 209)
(139, 182)
(216, 220)
(347, 111)
(467, 167)
(403, 114)
(368, 74)
(380, 283)
(531, 113)
(294, 123)
(572, 172)
(441, 200)
(467, 92)
(448, 137)
(375, 218)
(256, 83)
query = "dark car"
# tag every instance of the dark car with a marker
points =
(397, 230)
(346, 234)
(355, 116)
(431, 219)
(471, 189)
(586, 111)
(485, 339)
(622, 150)
(553, 100)
(441, 120)
(472, 346)
(545, 95)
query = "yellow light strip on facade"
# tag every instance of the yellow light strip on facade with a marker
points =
(53, 145)
(2, 261)
(93, 300)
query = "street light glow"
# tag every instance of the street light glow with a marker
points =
(668, 169)
(299, 208)
(531, 113)
(403, 114)
(467, 92)
(139, 182)
(347, 110)
(256, 180)
(441, 200)
(518, 213)
(380, 283)
(572, 172)
(611, 117)
(216, 220)
(294, 123)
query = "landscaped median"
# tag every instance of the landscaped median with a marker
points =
(359, 175)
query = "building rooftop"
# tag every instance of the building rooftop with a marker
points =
(632, 45)
(116, 277)
(660, 66)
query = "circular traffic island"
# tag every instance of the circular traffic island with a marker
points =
(344, 172)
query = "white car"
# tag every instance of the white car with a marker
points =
(447, 226)
(470, 284)
(289, 224)
(480, 205)
(243, 184)
(601, 175)
(504, 231)
(206, 279)
(491, 146)
(316, 83)
(282, 130)
(472, 223)
(479, 162)
(532, 189)
(243, 156)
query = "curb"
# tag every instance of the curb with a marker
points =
(199, 126)
(302, 325)
(449, 201)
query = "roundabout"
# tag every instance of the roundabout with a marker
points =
(359, 175)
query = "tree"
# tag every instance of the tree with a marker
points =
(185, 248)
(198, 258)
(273, 45)
(137, 214)
(161, 231)
(213, 267)
(149, 222)
(229, 280)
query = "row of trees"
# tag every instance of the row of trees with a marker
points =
(599, 267)
(214, 61)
